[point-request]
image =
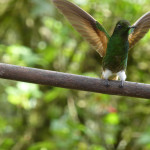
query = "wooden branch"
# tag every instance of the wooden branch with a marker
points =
(71, 81)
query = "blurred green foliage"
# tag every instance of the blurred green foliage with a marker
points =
(34, 117)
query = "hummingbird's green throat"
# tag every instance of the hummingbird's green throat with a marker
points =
(114, 48)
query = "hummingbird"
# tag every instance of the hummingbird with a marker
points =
(114, 49)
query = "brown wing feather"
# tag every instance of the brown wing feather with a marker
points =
(142, 27)
(85, 24)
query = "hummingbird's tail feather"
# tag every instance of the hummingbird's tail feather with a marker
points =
(113, 77)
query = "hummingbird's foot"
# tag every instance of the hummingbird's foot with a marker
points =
(121, 84)
(107, 83)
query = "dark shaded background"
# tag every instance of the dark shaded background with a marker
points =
(33, 117)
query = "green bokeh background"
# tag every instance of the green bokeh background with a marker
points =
(34, 117)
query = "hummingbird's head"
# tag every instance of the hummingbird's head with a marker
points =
(123, 27)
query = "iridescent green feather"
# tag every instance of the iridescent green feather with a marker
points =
(101, 28)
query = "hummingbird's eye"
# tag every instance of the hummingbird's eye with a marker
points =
(118, 26)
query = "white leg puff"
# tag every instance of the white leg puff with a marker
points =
(107, 73)
(122, 75)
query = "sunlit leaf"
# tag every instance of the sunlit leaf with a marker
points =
(112, 118)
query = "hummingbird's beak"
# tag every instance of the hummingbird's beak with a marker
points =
(132, 27)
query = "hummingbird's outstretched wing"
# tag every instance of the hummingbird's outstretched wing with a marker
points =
(142, 26)
(85, 24)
